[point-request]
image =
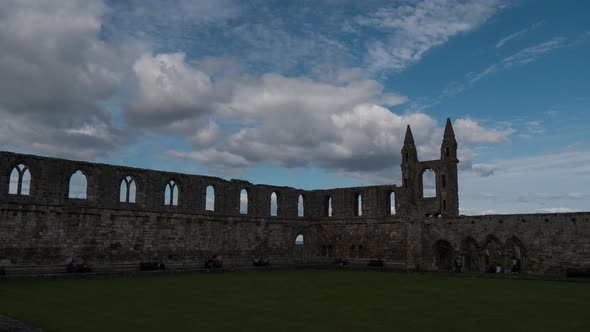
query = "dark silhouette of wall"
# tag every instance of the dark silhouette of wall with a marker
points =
(45, 227)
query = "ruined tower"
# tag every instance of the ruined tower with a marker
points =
(446, 199)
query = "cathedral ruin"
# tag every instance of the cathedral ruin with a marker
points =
(114, 217)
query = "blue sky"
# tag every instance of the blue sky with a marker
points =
(310, 94)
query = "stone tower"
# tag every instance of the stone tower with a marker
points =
(446, 201)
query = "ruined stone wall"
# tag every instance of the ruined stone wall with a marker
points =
(45, 227)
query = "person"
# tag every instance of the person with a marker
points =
(513, 270)
(498, 268)
(458, 264)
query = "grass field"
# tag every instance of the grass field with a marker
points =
(298, 301)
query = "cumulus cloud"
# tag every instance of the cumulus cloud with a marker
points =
(56, 72)
(287, 121)
(469, 131)
(416, 27)
(169, 91)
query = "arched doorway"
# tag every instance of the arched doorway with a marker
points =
(298, 249)
(493, 253)
(443, 255)
(470, 251)
(516, 255)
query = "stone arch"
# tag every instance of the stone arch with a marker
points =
(471, 254)
(492, 252)
(128, 190)
(428, 180)
(78, 185)
(443, 255)
(19, 180)
(299, 246)
(516, 254)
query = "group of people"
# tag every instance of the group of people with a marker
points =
(213, 263)
(492, 268)
(261, 261)
(340, 261)
(77, 268)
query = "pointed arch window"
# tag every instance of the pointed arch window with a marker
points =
(274, 207)
(171, 194)
(392, 203)
(20, 181)
(127, 190)
(359, 205)
(210, 199)
(300, 208)
(328, 206)
(244, 201)
(78, 185)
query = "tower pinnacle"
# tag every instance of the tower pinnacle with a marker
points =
(409, 140)
(449, 132)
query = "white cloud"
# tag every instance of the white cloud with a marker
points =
(471, 132)
(416, 27)
(169, 91)
(56, 74)
(557, 210)
(287, 121)
(517, 34)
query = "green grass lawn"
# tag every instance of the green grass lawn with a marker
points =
(298, 301)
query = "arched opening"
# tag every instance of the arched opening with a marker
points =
(244, 201)
(328, 206)
(299, 239)
(359, 205)
(392, 203)
(300, 209)
(127, 190)
(443, 255)
(516, 255)
(171, 194)
(274, 207)
(298, 252)
(78, 186)
(210, 198)
(471, 252)
(428, 183)
(493, 253)
(20, 181)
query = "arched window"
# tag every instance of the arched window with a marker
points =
(244, 201)
(210, 198)
(392, 203)
(328, 206)
(273, 205)
(428, 183)
(127, 190)
(171, 194)
(20, 181)
(300, 210)
(78, 185)
(299, 240)
(359, 206)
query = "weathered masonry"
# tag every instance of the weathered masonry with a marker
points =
(55, 210)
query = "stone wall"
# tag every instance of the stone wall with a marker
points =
(45, 227)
